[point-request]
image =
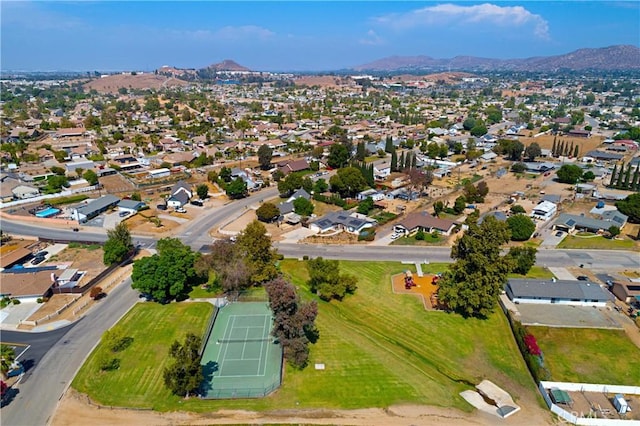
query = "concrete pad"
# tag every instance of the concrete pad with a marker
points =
(568, 316)
(562, 274)
(296, 235)
(491, 390)
(13, 314)
(475, 399)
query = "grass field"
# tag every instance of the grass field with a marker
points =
(536, 272)
(589, 355)
(379, 349)
(595, 242)
(138, 382)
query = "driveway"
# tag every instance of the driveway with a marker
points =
(562, 274)
(11, 316)
(296, 235)
(568, 316)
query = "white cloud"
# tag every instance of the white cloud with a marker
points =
(243, 32)
(447, 14)
(372, 39)
(36, 17)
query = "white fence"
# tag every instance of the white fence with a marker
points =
(572, 417)
(48, 196)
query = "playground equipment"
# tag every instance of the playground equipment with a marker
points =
(408, 280)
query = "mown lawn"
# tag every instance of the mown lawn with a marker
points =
(138, 382)
(379, 349)
(589, 355)
(595, 242)
(537, 272)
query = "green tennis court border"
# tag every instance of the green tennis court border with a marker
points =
(248, 368)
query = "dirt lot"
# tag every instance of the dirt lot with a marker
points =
(116, 183)
(546, 142)
(75, 409)
(112, 83)
(82, 259)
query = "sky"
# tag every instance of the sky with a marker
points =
(298, 35)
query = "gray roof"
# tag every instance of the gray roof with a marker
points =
(286, 207)
(180, 184)
(561, 289)
(604, 155)
(300, 193)
(553, 198)
(339, 218)
(501, 216)
(100, 204)
(611, 219)
(181, 196)
(131, 204)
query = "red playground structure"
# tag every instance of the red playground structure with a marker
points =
(408, 280)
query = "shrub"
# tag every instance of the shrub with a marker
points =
(95, 293)
(107, 363)
(15, 301)
(420, 235)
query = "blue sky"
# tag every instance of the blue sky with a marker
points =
(298, 35)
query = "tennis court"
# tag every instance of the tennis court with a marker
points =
(241, 358)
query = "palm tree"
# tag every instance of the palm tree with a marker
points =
(7, 357)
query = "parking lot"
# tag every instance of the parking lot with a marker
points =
(568, 316)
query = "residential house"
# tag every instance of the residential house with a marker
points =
(544, 210)
(538, 167)
(628, 292)
(22, 192)
(424, 221)
(94, 208)
(352, 223)
(181, 193)
(293, 166)
(13, 257)
(604, 156)
(26, 287)
(562, 292)
(572, 222)
(131, 206)
(374, 194)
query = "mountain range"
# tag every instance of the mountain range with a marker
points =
(618, 58)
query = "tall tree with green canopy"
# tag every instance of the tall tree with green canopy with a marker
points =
(184, 375)
(338, 156)
(168, 274)
(237, 188)
(521, 226)
(523, 259)
(348, 182)
(255, 247)
(569, 173)
(265, 154)
(473, 283)
(361, 152)
(202, 190)
(7, 357)
(394, 161)
(631, 207)
(325, 279)
(118, 244)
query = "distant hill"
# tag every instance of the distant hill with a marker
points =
(227, 65)
(111, 83)
(621, 57)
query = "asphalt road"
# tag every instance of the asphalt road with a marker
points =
(38, 396)
(38, 346)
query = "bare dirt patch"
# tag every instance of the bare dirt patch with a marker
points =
(112, 83)
(75, 409)
(424, 288)
(116, 183)
(546, 142)
(81, 258)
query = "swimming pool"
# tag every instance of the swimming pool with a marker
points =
(48, 212)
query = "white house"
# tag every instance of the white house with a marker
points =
(374, 194)
(544, 210)
(159, 173)
(181, 193)
(563, 292)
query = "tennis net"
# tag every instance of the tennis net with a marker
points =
(268, 339)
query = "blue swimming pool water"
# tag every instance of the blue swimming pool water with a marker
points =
(48, 212)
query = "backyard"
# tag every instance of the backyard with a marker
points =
(379, 349)
(588, 355)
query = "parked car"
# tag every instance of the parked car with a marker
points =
(37, 260)
(559, 234)
(123, 214)
(395, 236)
(197, 203)
(582, 278)
(180, 210)
(161, 206)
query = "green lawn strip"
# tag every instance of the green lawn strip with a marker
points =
(588, 355)
(596, 242)
(138, 382)
(537, 272)
(412, 241)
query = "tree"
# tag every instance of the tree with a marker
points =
(614, 231)
(294, 322)
(255, 247)
(473, 283)
(438, 207)
(533, 151)
(118, 244)
(136, 196)
(237, 188)
(7, 357)
(365, 206)
(325, 279)
(479, 129)
(517, 208)
(518, 167)
(348, 182)
(588, 176)
(91, 177)
(225, 174)
(226, 262)
(459, 205)
(302, 206)
(168, 274)
(388, 146)
(523, 258)
(338, 156)
(265, 153)
(184, 375)
(290, 183)
(521, 226)
(267, 212)
(569, 173)
(630, 206)
(96, 292)
(394, 161)
(469, 123)
(361, 152)
(320, 186)
(202, 190)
